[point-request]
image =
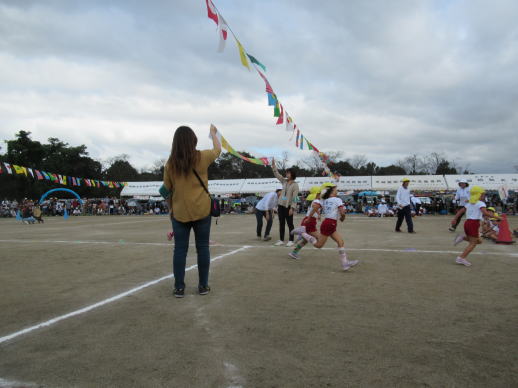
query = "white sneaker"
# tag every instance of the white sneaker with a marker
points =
(349, 264)
(460, 260)
(279, 243)
(458, 239)
(290, 244)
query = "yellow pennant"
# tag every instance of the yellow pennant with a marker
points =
(242, 55)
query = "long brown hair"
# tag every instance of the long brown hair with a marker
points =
(184, 155)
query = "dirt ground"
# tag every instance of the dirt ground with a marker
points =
(405, 316)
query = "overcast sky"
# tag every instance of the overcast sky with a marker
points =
(380, 78)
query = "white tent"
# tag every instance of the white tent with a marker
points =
(357, 183)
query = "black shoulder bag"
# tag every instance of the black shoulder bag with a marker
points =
(215, 211)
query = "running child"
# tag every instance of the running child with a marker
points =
(333, 209)
(309, 223)
(475, 209)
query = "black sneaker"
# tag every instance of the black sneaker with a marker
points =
(203, 290)
(179, 292)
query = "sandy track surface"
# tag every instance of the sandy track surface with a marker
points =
(406, 316)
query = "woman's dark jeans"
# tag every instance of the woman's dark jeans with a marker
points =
(182, 230)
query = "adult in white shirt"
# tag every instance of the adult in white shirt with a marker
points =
(461, 199)
(404, 207)
(264, 209)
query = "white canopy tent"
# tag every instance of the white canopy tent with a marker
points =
(357, 183)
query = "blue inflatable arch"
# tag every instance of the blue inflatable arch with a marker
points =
(54, 190)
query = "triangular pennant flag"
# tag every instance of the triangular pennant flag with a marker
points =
(38, 174)
(254, 60)
(301, 141)
(47, 177)
(223, 33)
(276, 110)
(8, 168)
(268, 86)
(18, 169)
(271, 99)
(30, 171)
(289, 120)
(211, 11)
(297, 140)
(280, 120)
(242, 55)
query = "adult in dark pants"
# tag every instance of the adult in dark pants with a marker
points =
(287, 203)
(405, 207)
(189, 203)
(264, 209)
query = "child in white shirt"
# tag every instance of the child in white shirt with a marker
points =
(474, 209)
(333, 209)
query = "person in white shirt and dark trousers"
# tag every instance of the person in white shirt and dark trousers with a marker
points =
(404, 207)
(461, 199)
(264, 209)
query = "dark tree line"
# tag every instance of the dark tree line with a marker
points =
(59, 157)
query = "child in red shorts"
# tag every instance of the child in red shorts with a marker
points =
(309, 223)
(475, 209)
(333, 208)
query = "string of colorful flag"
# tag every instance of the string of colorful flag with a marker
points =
(13, 169)
(279, 111)
(231, 150)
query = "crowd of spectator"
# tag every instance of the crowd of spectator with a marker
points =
(73, 207)
(380, 206)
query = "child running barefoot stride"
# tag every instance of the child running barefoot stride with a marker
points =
(333, 208)
(475, 209)
(309, 223)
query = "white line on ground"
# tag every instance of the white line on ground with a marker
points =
(109, 300)
(122, 243)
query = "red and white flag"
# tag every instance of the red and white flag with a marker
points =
(8, 168)
(223, 33)
(280, 120)
(211, 11)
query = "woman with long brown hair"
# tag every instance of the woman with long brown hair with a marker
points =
(190, 203)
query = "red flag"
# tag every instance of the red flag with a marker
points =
(38, 174)
(211, 11)
(280, 120)
(297, 141)
(268, 86)
(87, 181)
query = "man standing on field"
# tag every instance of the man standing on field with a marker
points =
(404, 207)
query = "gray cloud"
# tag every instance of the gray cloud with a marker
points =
(379, 78)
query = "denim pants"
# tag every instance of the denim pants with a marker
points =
(182, 230)
(259, 214)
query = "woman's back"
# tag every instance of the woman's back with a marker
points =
(190, 201)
